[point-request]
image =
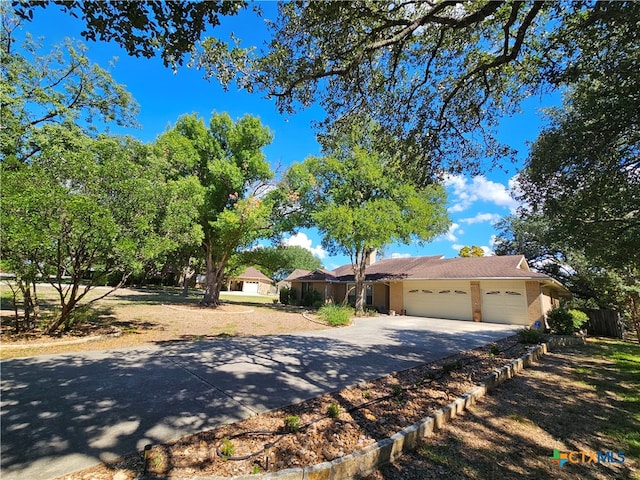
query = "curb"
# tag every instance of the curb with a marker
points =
(363, 462)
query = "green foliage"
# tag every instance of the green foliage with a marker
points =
(472, 251)
(292, 423)
(285, 295)
(45, 93)
(334, 410)
(227, 448)
(494, 349)
(360, 200)
(451, 367)
(228, 171)
(565, 322)
(336, 315)
(312, 298)
(530, 336)
(145, 28)
(278, 262)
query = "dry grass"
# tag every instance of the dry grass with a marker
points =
(150, 316)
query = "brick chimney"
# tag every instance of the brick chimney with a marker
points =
(371, 258)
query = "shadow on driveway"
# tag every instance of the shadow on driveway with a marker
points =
(63, 413)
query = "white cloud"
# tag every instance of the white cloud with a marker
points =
(482, 217)
(466, 192)
(400, 255)
(457, 247)
(301, 240)
(452, 233)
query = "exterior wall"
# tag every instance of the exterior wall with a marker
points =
(535, 303)
(476, 302)
(264, 288)
(380, 297)
(338, 292)
(396, 301)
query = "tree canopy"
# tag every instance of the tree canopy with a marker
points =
(44, 90)
(583, 171)
(356, 197)
(438, 75)
(227, 162)
(143, 28)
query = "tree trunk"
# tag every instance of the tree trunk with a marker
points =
(187, 275)
(359, 270)
(214, 274)
(66, 312)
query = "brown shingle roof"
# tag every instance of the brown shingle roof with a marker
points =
(297, 273)
(252, 273)
(433, 268)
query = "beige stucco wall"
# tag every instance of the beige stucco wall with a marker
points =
(380, 299)
(395, 297)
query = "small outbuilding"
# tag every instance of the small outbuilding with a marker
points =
(251, 280)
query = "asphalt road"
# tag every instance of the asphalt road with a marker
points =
(62, 413)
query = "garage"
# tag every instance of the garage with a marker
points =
(504, 303)
(250, 287)
(438, 299)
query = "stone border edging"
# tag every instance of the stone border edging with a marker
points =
(363, 462)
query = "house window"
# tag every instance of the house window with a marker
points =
(368, 293)
(304, 288)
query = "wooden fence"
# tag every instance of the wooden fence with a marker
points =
(605, 323)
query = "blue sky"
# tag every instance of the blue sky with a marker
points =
(475, 203)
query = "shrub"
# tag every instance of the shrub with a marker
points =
(227, 447)
(565, 322)
(579, 318)
(560, 321)
(334, 410)
(530, 336)
(336, 315)
(292, 423)
(311, 298)
(285, 295)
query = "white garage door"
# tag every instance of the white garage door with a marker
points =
(504, 305)
(438, 299)
(250, 287)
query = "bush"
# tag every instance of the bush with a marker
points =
(565, 322)
(530, 336)
(311, 298)
(334, 411)
(285, 295)
(292, 423)
(336, 315)
(579, 318)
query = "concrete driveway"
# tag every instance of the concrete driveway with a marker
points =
(62, 413)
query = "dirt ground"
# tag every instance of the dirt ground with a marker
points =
(512, 432)
(131, 317)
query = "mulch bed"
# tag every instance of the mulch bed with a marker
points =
(317, 430)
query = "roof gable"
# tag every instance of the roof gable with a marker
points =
(252, 273)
